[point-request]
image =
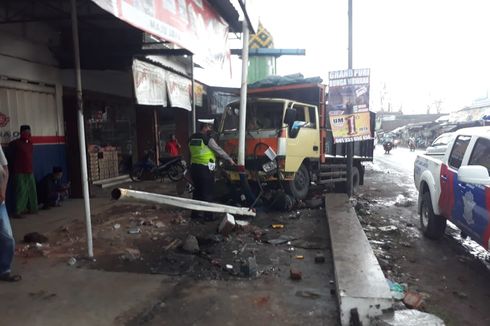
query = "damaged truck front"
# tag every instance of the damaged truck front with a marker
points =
(289, 144)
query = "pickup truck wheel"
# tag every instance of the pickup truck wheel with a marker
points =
(299, 187)
(433, 226)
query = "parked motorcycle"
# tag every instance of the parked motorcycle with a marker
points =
(388, 146)
(172, 167)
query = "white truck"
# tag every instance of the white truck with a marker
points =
(457, 187)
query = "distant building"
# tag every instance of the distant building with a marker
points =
(393, 120)
(477, 111)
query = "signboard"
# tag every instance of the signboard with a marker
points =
(179, 91)
(350, 127)
(149, 84)
(348, 105)
(190, 24)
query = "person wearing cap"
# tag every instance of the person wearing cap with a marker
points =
(52, 190)
(204, 149)
(25, 185)
(7, 242)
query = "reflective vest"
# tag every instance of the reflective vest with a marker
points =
(200, 152)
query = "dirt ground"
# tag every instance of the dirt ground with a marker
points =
(244, 276)
(454, 283)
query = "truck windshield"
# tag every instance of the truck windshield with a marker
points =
(261, 115)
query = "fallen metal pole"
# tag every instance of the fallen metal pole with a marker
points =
(197, 205)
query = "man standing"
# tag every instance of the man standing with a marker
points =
(25, 184)
(7, 242)
(203, 150)
(172, 146)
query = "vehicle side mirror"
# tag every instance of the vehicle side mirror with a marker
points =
(295, 127)
(289, 116)
(474, 174)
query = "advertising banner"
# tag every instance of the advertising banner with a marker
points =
(190, 24)
(149, 84)
(348, 105)
(350, 127)
(179, 91)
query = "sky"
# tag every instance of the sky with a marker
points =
(420, 52)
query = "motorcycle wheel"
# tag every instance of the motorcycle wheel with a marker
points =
(176, 172)
(136, 173)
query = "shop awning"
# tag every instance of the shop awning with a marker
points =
(189, 24)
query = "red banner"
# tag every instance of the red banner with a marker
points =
(190, 24)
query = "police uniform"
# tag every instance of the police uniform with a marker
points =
(203, 161)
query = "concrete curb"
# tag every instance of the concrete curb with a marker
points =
(362, 290)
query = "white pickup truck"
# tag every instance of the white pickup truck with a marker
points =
(457, 187)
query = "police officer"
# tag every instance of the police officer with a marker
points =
(204, 149)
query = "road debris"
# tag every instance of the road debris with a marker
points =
(295, 274)
(173, 244)
(397, 290)
(249, 268)
(134, 230)
(413, 300)
(388, 228)
(460, 295)
(402, 201)
(131, 254)
(308, 294)
(408, 318)
(242, 223)
(159, 224)
(278, 226)
(34, 237)
(319, 258)
(72, 261)
(282, 239)
(191, 245)
(227, 224)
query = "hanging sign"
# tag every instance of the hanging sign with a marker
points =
(348, 105)
(191, 24)
(179, 91)
(149, 84)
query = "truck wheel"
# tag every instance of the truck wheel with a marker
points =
(433, 226)
(299, 187)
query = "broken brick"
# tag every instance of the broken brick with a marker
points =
(227, 224)
(295, 274)
(412, 300)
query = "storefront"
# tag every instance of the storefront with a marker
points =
(34, 104)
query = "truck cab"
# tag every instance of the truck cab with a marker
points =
(288, 129)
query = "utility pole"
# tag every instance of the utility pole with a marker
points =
(243, 93)
(81, 128)
(350, 146)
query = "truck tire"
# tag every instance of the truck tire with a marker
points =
(432, 225)
(299, 187)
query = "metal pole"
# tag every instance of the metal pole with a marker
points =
(193, 97)
(350, 146)
(81, 128)
(243, 96)
(157, 136)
